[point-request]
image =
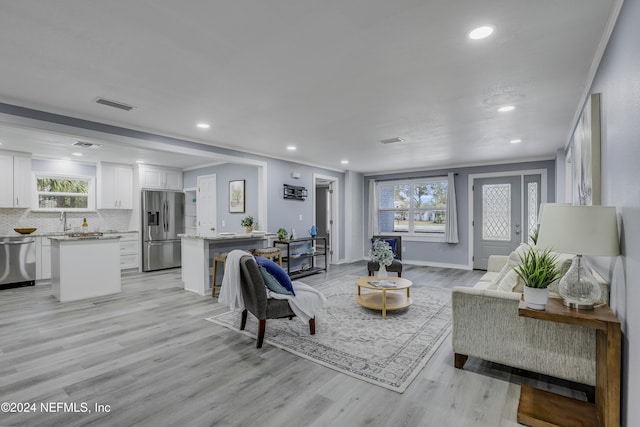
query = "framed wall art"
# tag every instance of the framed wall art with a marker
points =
(237, 196)
(585, 154)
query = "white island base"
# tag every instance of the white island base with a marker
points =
(197, 257)
(85, 268)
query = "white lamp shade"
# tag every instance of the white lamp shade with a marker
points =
(542, 206)
(580, 230)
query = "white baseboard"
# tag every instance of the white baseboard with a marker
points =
(438, 264)
(429, 264)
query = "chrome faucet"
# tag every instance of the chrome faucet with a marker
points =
(63, 218)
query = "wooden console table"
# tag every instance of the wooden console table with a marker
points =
(543, 408)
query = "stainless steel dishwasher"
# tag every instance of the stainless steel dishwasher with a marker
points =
(17, 262)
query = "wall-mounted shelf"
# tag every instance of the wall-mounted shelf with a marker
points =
(294, 193)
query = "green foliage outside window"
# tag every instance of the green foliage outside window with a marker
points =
(65, 193)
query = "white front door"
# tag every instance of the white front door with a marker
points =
(505, 214)
(497, 217)
(206, 205)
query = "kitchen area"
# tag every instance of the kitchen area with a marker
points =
(54, 233)
(68, 224)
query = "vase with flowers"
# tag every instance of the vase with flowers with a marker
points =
(381, 253)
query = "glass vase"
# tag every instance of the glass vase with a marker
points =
(382, 272)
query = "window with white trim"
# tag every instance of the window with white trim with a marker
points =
(415, 207)
(64, 192)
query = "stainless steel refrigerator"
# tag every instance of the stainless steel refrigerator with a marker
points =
(162, 221)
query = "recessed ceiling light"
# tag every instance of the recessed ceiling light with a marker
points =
(203, 125)
(481, 32)
(77, 154)
(344, 162)
(515, 141)
(506, 108)
(291, 147)
(139, 161)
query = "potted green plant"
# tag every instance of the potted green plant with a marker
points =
(282, 234)
(247, 222)
(538, 270)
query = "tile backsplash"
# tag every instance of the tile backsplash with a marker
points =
(50, 222)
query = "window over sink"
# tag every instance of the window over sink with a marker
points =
(64, 192)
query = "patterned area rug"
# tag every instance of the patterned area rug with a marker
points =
(356, 341)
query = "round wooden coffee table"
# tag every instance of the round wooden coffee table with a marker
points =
(384, 298)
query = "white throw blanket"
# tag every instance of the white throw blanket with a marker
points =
(305, 304)
(230, 293)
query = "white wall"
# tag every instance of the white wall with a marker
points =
(618, 81)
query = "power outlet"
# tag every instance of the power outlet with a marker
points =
(223, 224)
(300, 217)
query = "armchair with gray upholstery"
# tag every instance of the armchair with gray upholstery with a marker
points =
(254, 293)
(396, 246)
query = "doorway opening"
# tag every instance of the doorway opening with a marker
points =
(325, 213)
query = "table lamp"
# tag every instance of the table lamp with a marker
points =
(579, 230)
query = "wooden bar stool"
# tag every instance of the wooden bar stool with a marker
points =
(217, 257)
(271, 253)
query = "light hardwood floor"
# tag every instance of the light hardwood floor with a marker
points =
(149, 354)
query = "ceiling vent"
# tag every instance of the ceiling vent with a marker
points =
(83, 144)
(114, 104)
(391, 140)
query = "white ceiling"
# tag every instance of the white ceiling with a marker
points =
(331, 78)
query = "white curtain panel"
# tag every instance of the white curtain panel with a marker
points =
(373, 209)
(451, 227)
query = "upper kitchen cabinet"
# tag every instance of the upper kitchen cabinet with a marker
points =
(15, 175)
(160, 179)
(115, 186)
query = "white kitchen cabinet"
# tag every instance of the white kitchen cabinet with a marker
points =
(21, 181)
(129, 250)
(160, 179)
(43, 258)
(115, 186)
(15, 175)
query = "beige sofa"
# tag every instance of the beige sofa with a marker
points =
(486, 325)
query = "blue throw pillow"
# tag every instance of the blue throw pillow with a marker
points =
(272, 283)
(278, 272)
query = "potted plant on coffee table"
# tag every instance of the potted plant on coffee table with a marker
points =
(538, 270)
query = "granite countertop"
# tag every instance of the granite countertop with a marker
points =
(228, 236)
(83, 237)
(60, 233)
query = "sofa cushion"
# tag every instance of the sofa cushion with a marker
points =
(489, 276)
(514, 259)
(511, 282)
(483, 284)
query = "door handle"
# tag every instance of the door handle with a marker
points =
(24, 242)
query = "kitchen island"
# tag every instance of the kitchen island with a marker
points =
(197, 255)
(84, 267)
